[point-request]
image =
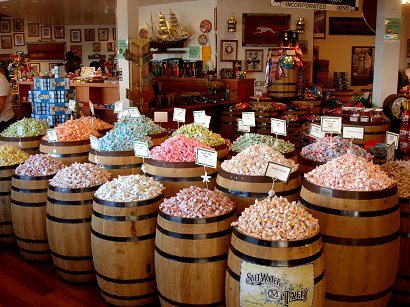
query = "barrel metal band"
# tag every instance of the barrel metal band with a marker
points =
(6, 236)
(71, 258)
(74, 190)
(128, 218)
(69, 202)
(205, 220)
(68, 221)
(202, 236)
(89, 272)
(33, 178)
(403, 276)
(233, 274)
(25, 240)
(401, 293)
(179, 179)
(31, 205)
(6, 223)
(281, 263)
(129, 298)
(361, 242)
(298, 243)
(216, 258)
(33, 252)
(405, 235)
(405, 214)
(29, 190)
(358, 298)
(255, 195)
(126, 281)
(118, 166)
(374, 213)
(5, 193)
(179, 304)
(405, 201)
(129, 204)
(123, 239)
(70, 155)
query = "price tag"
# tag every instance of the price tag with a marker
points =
(315, 131)
(278, 171)
(94, 142)
(331, 124)
(118, 106)
(199, 117)
(134, 112)
(391, 151)
(241, 127)
(161, 117)
(392, 138)
(71, 105)
(179, 115)
(207, 121)
(20, 130)
(141, 149)
(52, 135)
(353, 132)
(206, 157)
(91, 107)
(248, 119)
(278, 126)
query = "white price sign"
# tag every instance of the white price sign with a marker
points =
(134, 112)
(71, 105)
(206, 157)
(52, 135)
(278, 171)
(123, 113)
(391, 151)
(278, 126)
(20, 130)
(141, 149)
(161, 117)
(199, 117)
(94, 142)
(248, 119)
(315, 131)
(118, 106)
(241, 127)
(179, 115)
(91, 107)
(331, 124)
(207, 121)
(353, 132)
(392, 138)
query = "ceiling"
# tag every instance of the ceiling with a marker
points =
(61, 12)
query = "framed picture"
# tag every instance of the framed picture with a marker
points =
(319, 27)
(103, 34)
(96, 47)
(6, 42)
(59, 32)
(114, 34)
(253, 59)
(5, 26)
(77, 50)
(111, 47)
(18, 25)
(362, 65)
(33, 30)
(264, 29)
(18, 39)
(229, 50)
(75, 36)
(35, 66)
(45, 32)
(89, 35)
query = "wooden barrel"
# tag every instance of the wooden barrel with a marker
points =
(118, 163)
(243, 190)
(360, 233)
(343, 96)
(373, 131)
(307, 165)
(67, 152)
(286, 265)
(286, 87)
(222, 151)
(262, 120)
(228, 123)
(401, 288)
(190, 259)
(314, 105)
(28, 213)
(69, 232)
(123, 242)
(176, 176)
(29, 144)
(158, 138)
(6, 225)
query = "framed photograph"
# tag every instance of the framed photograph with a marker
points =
(103, 34)
(89, 35)
(35, 66)
(362, 65)
(33, 30)
(59, 32)
(18, 25)
(408, 48)
(6, 42)
(5, 26)
(319, 27)
(114, 34)
(75, 36)
(253, 59)
(45, 32)
(96, 47)
(111, 47)
(229, 50)
(18, 39)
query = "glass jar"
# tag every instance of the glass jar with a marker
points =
(365, 115)
(355, 116)
(377, 115)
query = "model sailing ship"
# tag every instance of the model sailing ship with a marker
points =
(167, 33)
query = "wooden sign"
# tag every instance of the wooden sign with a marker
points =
(348, 26)
(46, 51)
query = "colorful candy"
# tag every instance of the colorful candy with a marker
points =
(249, 139)
(142, 125)
(39, 165)
(30, 127)
(10, 155)
(400, 171)
(74, 130)
(201, 134)
(116, 140)
(96, 122)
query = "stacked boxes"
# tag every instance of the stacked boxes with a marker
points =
(340, 81)
(50, 100)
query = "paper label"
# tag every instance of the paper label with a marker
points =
(52, 135)
(206, 157)
(118, 106)
(248, 119)
(315, 131)
(331, 124)
(94, 142)
(123, 113)
(71, 105)
(278, 171)
(141, 149)
(91, 107)
(134, 112)
(207, 121)
(199, 117)
(353, 132)
(19, 130)
(179, 115)
(278, 126)
(241, 127)
(391, 151)
(392, 138)
(263, 286)
(161, 117)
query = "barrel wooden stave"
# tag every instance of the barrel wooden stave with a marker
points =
(6, 225)
(67, 152)
(373, 131)
(158, 138)
(286, 87)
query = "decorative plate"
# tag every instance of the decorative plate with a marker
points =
(205, 26)
(202, 39)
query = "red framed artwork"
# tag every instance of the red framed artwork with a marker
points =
(229, 50)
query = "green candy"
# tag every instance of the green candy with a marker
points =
(31, 127)
(250, 139)
(201, 134)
